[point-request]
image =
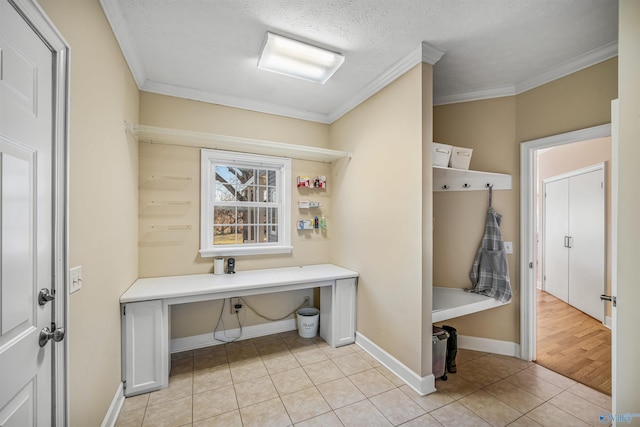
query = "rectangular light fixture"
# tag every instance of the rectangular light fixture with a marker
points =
(296, 59)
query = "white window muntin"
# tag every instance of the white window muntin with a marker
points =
(282, 166)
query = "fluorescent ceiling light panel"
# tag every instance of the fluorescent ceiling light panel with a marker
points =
(296, 59)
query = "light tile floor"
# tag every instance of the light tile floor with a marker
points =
(284, 380)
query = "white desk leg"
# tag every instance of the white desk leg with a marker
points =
(145, 344)
(338, 312)
(326, 314)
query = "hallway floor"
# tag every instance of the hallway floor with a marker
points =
(283, 380)
(572, 343)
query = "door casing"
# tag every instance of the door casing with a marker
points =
(33, 14)
(528, 257)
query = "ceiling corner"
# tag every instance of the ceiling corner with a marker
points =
(121, 32)
(431, 54)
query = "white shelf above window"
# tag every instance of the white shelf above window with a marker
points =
(188, 138)
(449, 179)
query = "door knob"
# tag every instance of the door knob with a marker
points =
(44, 296)
(46, 334)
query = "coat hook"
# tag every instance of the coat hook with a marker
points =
(465, 185)
(445, 187)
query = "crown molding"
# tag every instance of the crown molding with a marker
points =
(576, 64)
(431, 54)
(388, 76)
(121, 32)
(425, 53)
(233, 101)
(477, 95)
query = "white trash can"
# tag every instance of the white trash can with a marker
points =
(308, 322)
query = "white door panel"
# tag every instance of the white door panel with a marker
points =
(20, 411)
(556, 228)
(26, 220)
(587, 254)
(574, 239)
(17, 231)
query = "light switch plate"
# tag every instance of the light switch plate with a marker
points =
(508, 247)
(75, 279)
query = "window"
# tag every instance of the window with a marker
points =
(245, 204)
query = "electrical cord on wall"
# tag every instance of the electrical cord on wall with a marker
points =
(269, 318)
(233, 339)
(224, 330)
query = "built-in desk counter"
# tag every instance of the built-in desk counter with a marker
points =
(145, 311)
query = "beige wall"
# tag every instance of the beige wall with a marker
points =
(577, 101)
(103, 203)
(489, 128)
(570, 157)
(377, 200)
(176, 253)
(627, 344)
(427, 219)
(494, 128)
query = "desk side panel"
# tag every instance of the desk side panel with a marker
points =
(145, 350)
(344, 312)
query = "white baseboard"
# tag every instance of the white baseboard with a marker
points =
(114, 409)
(422, 385)
(206, 340)
(488, 345)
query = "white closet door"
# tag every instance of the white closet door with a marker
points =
(556, 228)
(587, 253)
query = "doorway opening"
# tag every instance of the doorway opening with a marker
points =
(554, 333)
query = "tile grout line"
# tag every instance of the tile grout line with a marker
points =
(395, 387)
(548, 400)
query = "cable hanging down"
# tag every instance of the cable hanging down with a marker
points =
(233, 339)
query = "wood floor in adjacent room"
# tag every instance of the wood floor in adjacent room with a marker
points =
(572, 343)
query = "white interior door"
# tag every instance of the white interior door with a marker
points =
(587, 253)
(556, 230)
(574, 239)
(26, 221)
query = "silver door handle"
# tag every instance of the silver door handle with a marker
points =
(46, 334)
(567, 241)
(609, 298)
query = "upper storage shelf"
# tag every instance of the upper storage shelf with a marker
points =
(449, 179)
(189, 138)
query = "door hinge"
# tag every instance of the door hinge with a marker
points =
(124, 310)
(531, 265)
(124, 384)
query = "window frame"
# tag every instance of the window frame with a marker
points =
(208, 160)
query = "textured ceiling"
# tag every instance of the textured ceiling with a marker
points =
(208, 49)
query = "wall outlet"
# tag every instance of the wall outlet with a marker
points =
(305, 302)
(232, 305)
(75, 279)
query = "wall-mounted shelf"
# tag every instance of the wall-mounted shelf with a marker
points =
(164, 234)
(165, 182)
(166, 207)
(189, 138)
(449, 179)
(308, 204)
